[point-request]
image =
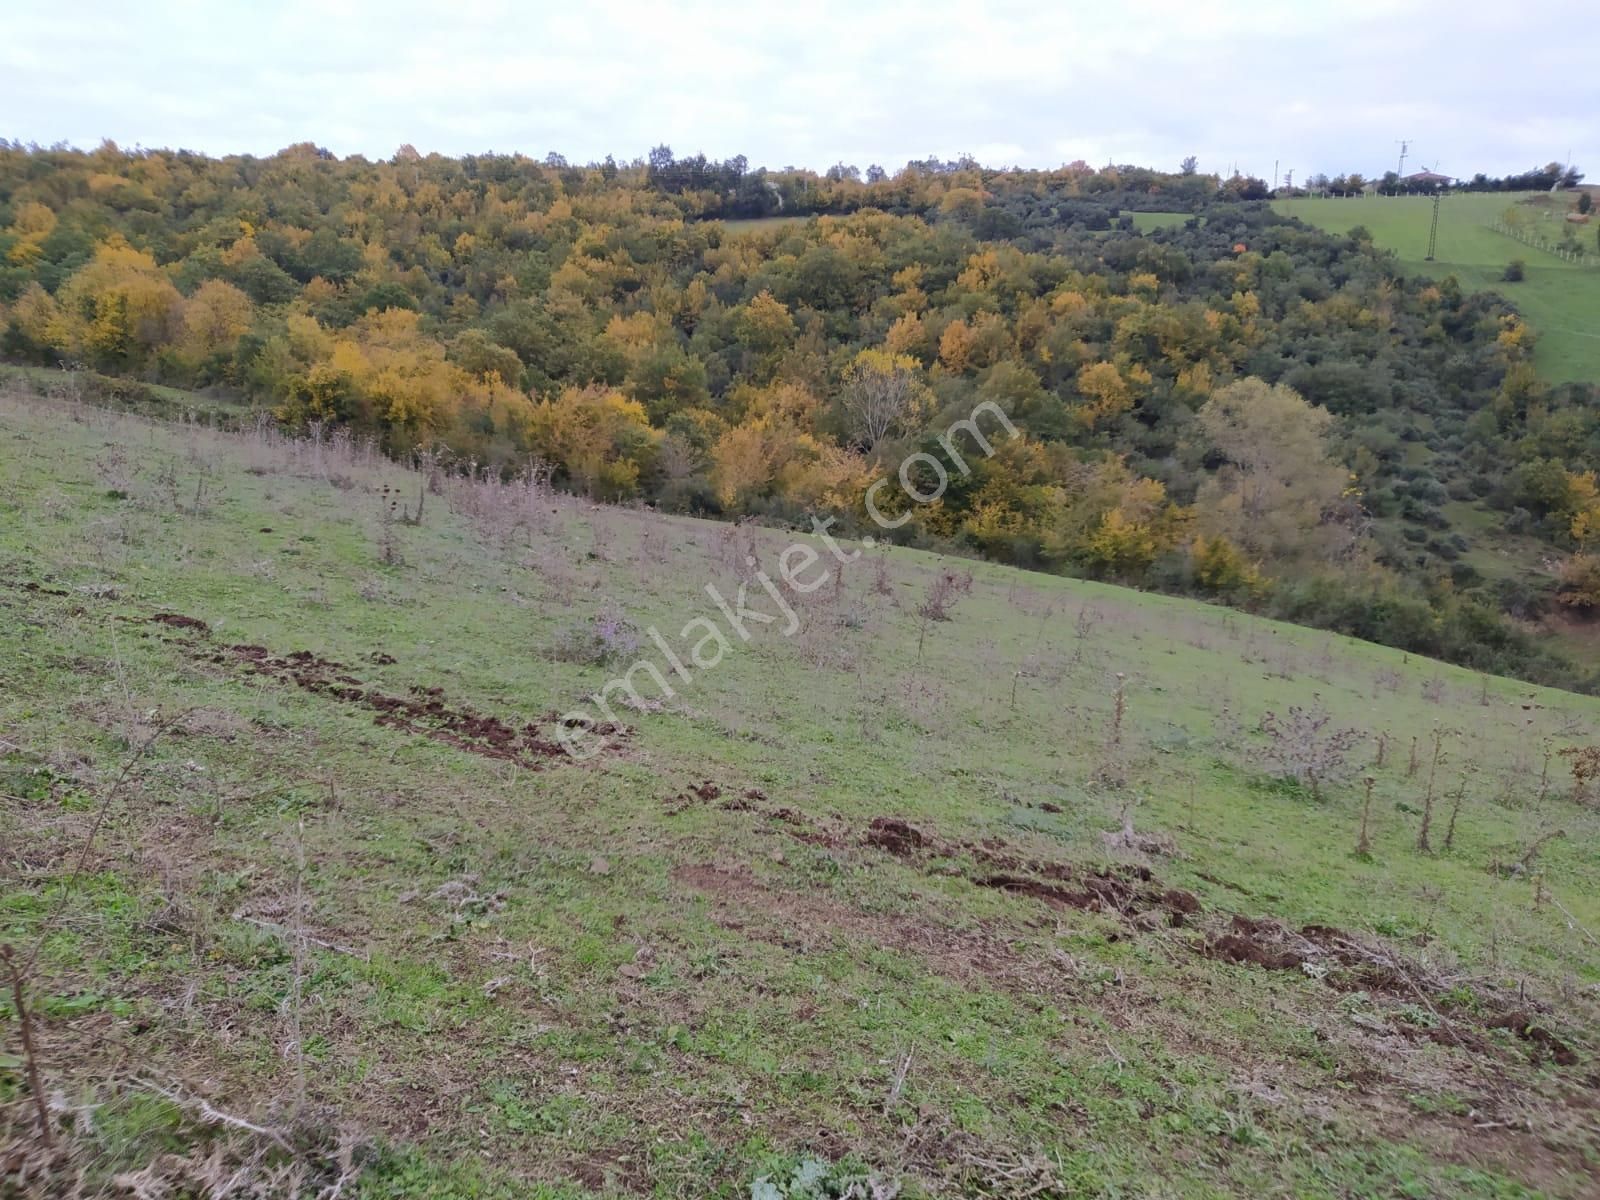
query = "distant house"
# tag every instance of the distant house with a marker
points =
(1428, 180)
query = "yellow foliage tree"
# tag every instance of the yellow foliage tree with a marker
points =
(745, 462)
(1579, 587)
(637, 334)
(1106, 393)
(1121, 545)
(765, 324)
(214, 319)
(32, 224)
(1107, 518)
(991, 340)
(119, 309)
(908, 335)
(37, 317)
(596, 437)
(1144, 284)
(1219, 566)
(955, 346)
(1585, 493)
(1515, 339)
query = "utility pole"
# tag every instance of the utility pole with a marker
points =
(1274, 177)
(1405, 145)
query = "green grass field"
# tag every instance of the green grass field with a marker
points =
(762, 224)
(1144, 222)
(847, 909)
(1560, 299)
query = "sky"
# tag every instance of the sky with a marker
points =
(1473, 85)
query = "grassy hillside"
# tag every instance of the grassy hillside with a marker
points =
(1560, 299)
(1024, 902)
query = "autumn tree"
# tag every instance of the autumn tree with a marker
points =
(1107, 392)
(765, 324)
(36, 319)
(1584, 504)
(1278, 490)
(119, 309)
(595, 437)
(882, 395)
(1579, 584)
(214, 319)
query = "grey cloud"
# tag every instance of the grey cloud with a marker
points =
(1311, 86)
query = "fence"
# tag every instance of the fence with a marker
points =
(1565, 253)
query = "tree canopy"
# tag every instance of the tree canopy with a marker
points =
(1235, 405)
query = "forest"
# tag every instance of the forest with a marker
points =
(1236, 406)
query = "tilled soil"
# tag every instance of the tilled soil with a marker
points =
(424, 711)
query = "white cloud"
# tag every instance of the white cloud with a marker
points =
(1309, 85)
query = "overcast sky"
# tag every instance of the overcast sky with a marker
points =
(1476, 85)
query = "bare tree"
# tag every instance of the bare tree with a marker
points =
(1423, 843)
(880, 392)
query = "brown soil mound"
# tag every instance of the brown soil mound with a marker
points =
(425, 711)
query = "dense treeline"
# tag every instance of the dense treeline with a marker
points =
(1237, 406)
(1549, 177)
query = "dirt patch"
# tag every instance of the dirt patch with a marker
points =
(1349, 963)
(424, 711)
(1109, 890)
(707, 792)
(1340, 959)
(179, 621)
(1529, 1029)
(745, 801)
(897, 837)
(1263, 942)
(616, 1166)
(38, 589)
(1130, 891)
(1233, 947)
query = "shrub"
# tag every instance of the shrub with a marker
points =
(1579, 588)
(946, 589)
(1516, 270)
(1220, 567)
(607, 637)
(1303, 747)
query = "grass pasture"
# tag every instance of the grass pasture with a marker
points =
(1144, 222)
(762, 224)
(850, 908)
(1560, 299)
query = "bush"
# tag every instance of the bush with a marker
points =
(607, 637)
(1516, 270)
(1579, 588)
